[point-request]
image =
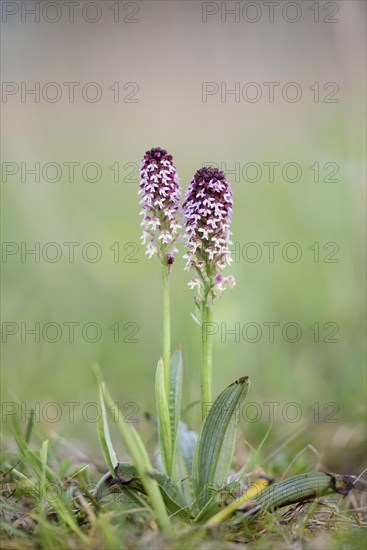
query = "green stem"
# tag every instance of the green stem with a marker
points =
(207, 358)
(166, 353)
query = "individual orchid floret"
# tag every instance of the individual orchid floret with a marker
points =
(208, 213)
(160, 200)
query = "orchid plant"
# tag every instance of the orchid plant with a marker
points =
(191, 473)
(208, 212)
(160, 200)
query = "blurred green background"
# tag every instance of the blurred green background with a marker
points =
(168, 53)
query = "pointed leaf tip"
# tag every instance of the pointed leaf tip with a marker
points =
(241, 380)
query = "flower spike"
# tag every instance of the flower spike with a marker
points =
(208, 213)
(160, 200)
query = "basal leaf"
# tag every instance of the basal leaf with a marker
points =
(175, 391)
(127, 478)
(186, 440)
(187, 443)
(215, 447)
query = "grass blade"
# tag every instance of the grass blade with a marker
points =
(104, 434)
(29, 428)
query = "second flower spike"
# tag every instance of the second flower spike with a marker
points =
(208, 214)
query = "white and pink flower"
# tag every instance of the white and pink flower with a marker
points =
(160, 200)
(208, 212)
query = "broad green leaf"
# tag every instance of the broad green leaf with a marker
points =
(210, 508)
(215, 447)
(175, 395)
(164, 428)
(183, 439)
(128, 479)
(132, 500)
(264, 495)
(104, 434)
(125, 475)
(187, 442)
(175, 392)
(183, 458)
(172, 496)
